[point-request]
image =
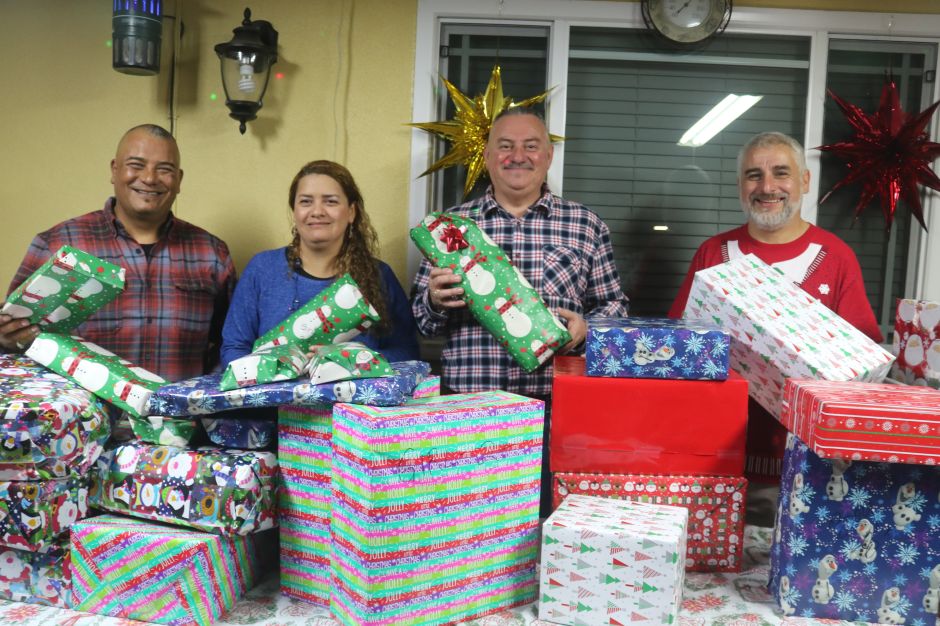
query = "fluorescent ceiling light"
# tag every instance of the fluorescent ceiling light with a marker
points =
(722, 114)
(661, 227)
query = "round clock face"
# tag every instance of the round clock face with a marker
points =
(686, 21)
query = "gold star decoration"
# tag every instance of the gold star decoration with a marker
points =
(469, 129)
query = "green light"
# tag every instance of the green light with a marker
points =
(213, 96)
(107, 43)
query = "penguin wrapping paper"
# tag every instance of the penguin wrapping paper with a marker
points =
(267, 364)
(100, 371)
(864, 421)
(49, 426)
(65, 290)
(336, 314)
(202, 395)
(632, 347)
(349, 360)
(715, 505)
(231, 492)
(34, 513)
(37, 577)
(150, 572)
(856, 540)
(612, 562)
(496, 292)
(916, 343)
(164, 431)
(779, 331)
(644, 425)
(434, 508)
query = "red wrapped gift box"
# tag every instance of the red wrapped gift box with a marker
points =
(864, 421)
(646, 426)
(715, 504)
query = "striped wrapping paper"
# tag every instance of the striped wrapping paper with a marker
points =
(304, 451)
(435, 508)
(864, 421)
(162, 574)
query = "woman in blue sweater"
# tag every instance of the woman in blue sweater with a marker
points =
(332, 236)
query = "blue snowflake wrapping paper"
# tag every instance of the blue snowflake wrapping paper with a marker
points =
(229, 430)
(857, 540)
(631, 347)
(202, 396)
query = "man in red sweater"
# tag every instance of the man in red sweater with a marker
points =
(772, 178)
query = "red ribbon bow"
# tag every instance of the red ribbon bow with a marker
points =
(453, 238)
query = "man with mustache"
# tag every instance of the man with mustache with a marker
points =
(562, 248)
(772, 178)
(179, 278)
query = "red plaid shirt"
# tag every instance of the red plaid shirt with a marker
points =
(564, 250)
(169, 317)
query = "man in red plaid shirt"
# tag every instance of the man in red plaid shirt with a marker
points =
(179, 278)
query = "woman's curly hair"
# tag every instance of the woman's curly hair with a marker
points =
(359, 252)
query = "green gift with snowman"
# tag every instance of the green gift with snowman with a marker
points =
(496, 292)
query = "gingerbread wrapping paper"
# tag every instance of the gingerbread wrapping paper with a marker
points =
(37, 577)
(34, 513)
(49, 426)
(779, 331)
(338, 313)
(612, 562)
(151, 572)
(496, 292)
(856, 540)
(632, 347)
(65, 290)
(916, 342)
(349, 360)
(212, 489)
(202, 396)
(100, 371)
(267, 364)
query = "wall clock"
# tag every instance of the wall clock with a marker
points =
(686, 21)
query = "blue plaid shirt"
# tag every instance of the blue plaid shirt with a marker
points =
(564, 250)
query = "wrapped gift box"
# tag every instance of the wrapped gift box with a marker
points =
(37, 577)
(856, 540)
(336, 314)
(779, 331)
(49, 426)
(150, 572)
(211, 489)
(349, 360)
(428, 388)
(34, 513)
(497, 294)
(917, 342)
(612, 562)
(164, 431)
(864, 421)
(435, 508)
(715, 505)
(101, 372)
(265, 365)
(254, 430)
(65, 290)
(304, 452)
(646, 426)
(202, 395)
(632, 347)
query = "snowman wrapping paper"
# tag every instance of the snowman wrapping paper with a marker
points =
(856, 540)
(917, 343)
(350, 360)
(34, 513)
(164, 431)
(338, 313)
(65, 290)
(496, 292)
(37, 577)
(101, 372)
(267, 364)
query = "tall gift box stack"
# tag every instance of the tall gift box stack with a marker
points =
(52, 433)
(857, 519)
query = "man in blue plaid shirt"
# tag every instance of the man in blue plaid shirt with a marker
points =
(562, 248)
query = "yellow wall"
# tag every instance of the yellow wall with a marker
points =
(875, 6)
(345, 96)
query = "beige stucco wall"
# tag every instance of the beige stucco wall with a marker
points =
(346, 94)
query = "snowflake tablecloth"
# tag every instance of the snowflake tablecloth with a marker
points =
(708, 600)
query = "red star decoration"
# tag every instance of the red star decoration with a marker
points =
(889, 154)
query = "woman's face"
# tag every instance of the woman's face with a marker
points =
(322, 213)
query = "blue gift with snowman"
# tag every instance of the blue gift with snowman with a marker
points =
(857, 540)
(633, 347)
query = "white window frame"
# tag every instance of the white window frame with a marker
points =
(561, 15)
